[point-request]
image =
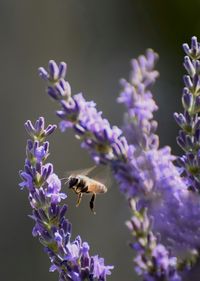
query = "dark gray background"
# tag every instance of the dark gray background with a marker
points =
(97, 39)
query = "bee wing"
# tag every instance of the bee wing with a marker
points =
(84, 172)
(101, 174)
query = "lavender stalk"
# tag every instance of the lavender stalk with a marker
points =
(71, 259)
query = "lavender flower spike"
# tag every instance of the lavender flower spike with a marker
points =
(103, 141)
(189, 121)
(70, 259)
(139, 127)
(153, 261)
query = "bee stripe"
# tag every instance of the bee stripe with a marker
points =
(81, 184)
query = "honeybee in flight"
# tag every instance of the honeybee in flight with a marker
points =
(81, 183)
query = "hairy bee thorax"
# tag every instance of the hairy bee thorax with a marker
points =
(78, 184)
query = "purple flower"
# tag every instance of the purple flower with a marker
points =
(161, 258)
(189, 121)
(96, 133)
(71, 259)
(147, 175)
(100, 270)
(54, 186)
(153, 261)
(139, 127)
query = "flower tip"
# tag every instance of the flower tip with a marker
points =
(43, 73)
(50, 129)
(63, 64)
(54, 126)
(41, 119)
(29, 127)
(186, 59)
(27, 123)
(53, 69)
(151, 52)
(122, 82)
(21, 185)
(186, 48)
(52, 62)
(62, 69)
(39, 124)
(194, 38)
(86, 247)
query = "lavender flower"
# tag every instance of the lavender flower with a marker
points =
(102, 141)
(146, 173)
(70, 259)
(189, 121)
(153, 261)
(136, 168)
(139, 127)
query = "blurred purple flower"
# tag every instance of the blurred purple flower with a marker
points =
(139, 127)
(146, 173)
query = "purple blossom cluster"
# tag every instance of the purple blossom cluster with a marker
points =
(189, 120)
(139, 127)
(162, 197)
(153, 261)
(70, 258)
(145, 173)
(104, 142)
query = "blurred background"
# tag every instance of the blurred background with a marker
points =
(97, 39)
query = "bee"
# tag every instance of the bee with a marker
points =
(81, 183)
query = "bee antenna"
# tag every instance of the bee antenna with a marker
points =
(66, 180)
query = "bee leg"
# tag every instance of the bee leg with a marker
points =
(92, 203)
(80, 195)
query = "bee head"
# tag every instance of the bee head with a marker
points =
(71, 182)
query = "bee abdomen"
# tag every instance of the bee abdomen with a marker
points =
(97, 188)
